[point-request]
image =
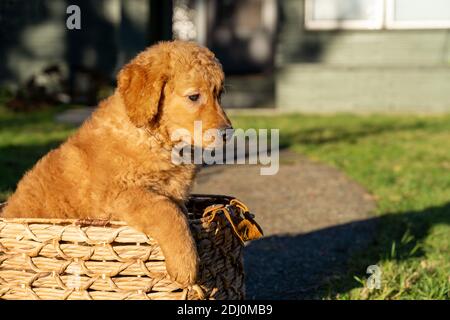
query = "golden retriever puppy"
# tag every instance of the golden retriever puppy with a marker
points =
(118, 164)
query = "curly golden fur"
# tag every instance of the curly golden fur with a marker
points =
(118, 164)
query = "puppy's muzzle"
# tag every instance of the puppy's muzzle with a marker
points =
(226, 133)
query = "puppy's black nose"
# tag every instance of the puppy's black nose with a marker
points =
(226, 133)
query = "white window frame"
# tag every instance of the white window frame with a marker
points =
(391, 23)
(311, 24)
(385, 21)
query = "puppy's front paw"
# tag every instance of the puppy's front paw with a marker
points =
(183, 267)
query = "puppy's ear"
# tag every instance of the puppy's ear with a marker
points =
(141, 93)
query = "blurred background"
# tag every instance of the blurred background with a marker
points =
(297, 55)
(359, 89)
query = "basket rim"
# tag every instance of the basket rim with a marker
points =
(100, 222)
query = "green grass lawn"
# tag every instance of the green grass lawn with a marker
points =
(404, 161)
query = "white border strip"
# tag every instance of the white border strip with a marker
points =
(372, 24)
(385, 20)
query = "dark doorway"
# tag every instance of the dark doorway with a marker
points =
(242, 33)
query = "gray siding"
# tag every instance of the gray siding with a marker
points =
(309, 88)
(343, 70)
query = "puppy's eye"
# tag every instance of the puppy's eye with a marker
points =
(194, 97)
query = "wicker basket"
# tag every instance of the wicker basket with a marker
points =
(79, 259)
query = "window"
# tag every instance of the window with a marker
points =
(344, 14)
(377, 14)
(418, 14)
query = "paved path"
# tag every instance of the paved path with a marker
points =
(309, 215)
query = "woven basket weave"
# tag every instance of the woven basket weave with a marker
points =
(79, 259)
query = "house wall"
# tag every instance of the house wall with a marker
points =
(33, 36)
(360, 70)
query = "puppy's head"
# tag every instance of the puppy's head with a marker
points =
(175, 87)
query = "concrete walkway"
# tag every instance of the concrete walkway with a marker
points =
(309, 213)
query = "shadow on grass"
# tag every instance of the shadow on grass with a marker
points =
(16, 160)
(299, 266)
(324, 135)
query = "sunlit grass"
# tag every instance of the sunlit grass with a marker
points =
(24, 138)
